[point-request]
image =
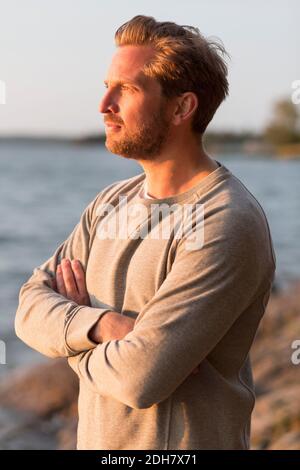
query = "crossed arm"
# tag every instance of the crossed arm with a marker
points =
(141, 363)
(70, 282)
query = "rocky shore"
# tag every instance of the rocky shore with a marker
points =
(38, 404)
(276, 416)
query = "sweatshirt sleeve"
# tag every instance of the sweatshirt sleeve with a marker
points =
(47, 321)
(204, 293)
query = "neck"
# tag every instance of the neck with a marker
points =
(177, 170)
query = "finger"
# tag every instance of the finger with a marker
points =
(79, 277)
(69, 279)
(54, 285)
(60, 281)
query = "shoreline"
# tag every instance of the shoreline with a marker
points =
(235, 143)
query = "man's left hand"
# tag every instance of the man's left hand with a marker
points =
(70, 281)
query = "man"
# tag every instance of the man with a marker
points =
(158, 329)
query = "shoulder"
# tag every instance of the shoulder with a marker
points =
(235, 224)
(233, 207)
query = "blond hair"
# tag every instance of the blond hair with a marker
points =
(184, 61)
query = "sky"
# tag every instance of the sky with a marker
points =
(54, 56)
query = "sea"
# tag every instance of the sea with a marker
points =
(44, 188)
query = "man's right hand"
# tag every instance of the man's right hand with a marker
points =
(112, 325)
(70, 282)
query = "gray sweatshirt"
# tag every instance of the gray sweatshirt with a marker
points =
(197, 285)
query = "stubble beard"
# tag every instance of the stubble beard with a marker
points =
(146, 143)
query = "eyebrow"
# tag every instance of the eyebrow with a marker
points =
(124, 82)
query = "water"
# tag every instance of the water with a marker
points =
(45, 188)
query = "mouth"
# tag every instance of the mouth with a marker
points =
(112, 127)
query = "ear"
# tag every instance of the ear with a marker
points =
(186, 105)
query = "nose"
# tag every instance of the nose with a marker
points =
(108, 104)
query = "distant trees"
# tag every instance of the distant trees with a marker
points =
(284, 127)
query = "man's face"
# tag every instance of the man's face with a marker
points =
(135, 104)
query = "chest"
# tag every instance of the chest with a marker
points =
(125, 272)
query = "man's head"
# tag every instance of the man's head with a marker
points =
(165, 81)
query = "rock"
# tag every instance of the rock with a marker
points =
(277, 410)
(289, 441)
(42, 389)
(38, 405)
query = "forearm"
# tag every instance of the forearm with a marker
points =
(41, 316)
(97, 332)
(51, 324)
(111, 325)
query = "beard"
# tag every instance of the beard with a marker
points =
(146, 143)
